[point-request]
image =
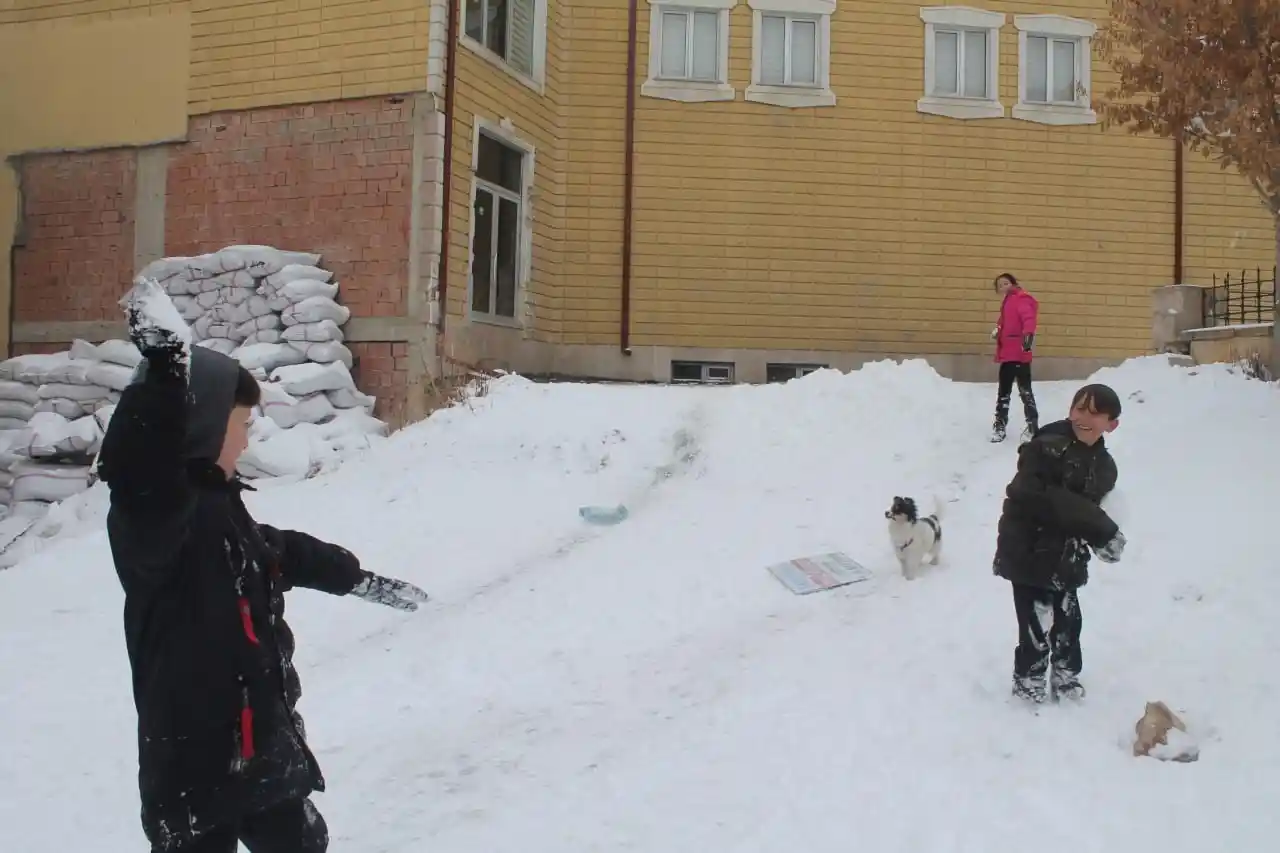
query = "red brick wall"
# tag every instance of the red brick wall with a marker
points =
(77, 257)
(331, 178)
(383, 372)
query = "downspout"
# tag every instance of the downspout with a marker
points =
(446, 192)
(628, 177)
(1177, 210)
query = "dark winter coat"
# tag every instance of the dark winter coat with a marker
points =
(1052, 514)
(213, 677)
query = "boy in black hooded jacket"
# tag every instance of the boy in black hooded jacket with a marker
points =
(1052, 517)
(222, 754)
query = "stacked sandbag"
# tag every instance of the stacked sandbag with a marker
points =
(46, 456)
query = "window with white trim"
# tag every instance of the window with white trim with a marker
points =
(498, 214)
(961, 62)
(791, 53)
(508, 31)
(689, 50)
(1054, 69)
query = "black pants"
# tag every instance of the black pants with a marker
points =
(1011, 372)
(294, 826)
(1049, 625)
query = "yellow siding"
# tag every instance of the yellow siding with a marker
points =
(866, 226)
(251, 53)
(28, 11)
(1227, 229)
(492, 93)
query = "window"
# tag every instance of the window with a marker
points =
(787, 372)
(497, 241)
(961, 62)
(1053, 70)
(791, 54)
(508, 31)
(702, 372)
(689, 50)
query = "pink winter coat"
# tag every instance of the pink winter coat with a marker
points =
(1017, 318)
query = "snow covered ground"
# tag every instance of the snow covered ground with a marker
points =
(650, 687)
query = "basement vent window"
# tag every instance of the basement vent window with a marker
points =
(787, 372)
(702, 372)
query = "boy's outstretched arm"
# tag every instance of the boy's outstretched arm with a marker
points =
(308, 562)
(1052, 504)
(142, 458)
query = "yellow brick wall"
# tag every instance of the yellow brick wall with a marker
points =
(30, 11)
(1226, 227)
(866, 226)
(485, 90)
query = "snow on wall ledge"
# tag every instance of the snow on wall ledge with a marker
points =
(273, 310)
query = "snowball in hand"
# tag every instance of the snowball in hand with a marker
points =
(154, 321)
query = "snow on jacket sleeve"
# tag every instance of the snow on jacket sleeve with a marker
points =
(1074, 514)
(308, 562)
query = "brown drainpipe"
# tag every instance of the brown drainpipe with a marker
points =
(628, 177)
(446, 194)
(1177, 210)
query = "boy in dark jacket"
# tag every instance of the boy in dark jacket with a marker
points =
(222, 755)
(1052, 517)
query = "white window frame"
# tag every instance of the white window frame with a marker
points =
(805, 95)
(537, 78)
(1057, 28)
(504, 132)
(689, 91)
(948, 18)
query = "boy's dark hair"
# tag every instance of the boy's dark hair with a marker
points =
(1098, 398)
(248, 393)
(1007, 276)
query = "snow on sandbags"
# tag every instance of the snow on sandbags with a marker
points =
(53, 437)
(307, 449)
(48, 483)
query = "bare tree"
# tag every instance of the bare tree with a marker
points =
(1205, 71)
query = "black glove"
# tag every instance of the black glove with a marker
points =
(390, 592)
(1110, 553)
(157, 330)
(1028, 341)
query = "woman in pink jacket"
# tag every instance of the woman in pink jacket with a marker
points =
(1014, 336)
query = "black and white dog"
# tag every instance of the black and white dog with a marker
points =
(915, 540)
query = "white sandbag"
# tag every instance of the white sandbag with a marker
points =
(32, 369)
(258, 373)
(103, 416)
(315, 409)
(28, 509)
(13, 424)
(89, 393)
(206, 327)
(187, 306)
(353, 422)
(324, 353)
(16, 410)
(313, 333)
(298, 272)
(262, 261)
(70, 372)
(165, 270)
(266, 336)
(115, 377)
(269, 356)
(282, 455)
(279, 405)
(51, 436)
(315, 309)
(226, 346)
(70, 409)
(258, 324)
(18, 392)
(302, 380)
(51, 483)
(6, 496)
(350, 398)
(119, 352)
(83, 351)
(6, 479)
(305, 288)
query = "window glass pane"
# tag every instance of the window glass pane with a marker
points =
(499, 164)
(975, 64)
(1037, 60)
(475, 20)
(946, 61)
(674, 34)
(504, 301)
(496, 37)
(706, 45)
(804, 52)
(482, 251)
(1064, 71)
(773, 50)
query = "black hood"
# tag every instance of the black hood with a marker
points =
(211, 397)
